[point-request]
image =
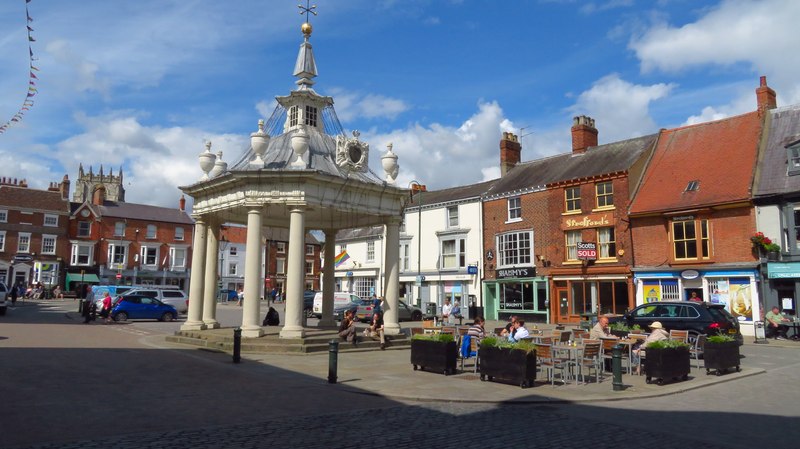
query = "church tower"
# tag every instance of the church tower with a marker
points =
(87, 183)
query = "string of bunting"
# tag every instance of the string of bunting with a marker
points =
(32, 78)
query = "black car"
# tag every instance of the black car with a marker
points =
(695, 317)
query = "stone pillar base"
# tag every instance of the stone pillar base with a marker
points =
(252, 332)
(193, 326)
(391, 329)
(293, 332)
(330, 322)
(211, 324)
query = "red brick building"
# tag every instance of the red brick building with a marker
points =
(692, 217)
(541, 213)
(33, 241)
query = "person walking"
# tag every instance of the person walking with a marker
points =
(14, 293)
(106, 312)
(240, 295)
(88, 305)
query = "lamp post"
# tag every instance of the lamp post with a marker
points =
(415, 186)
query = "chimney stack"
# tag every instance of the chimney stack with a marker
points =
(182, 204)
(584, 134)
(64, 187)
(766, 96)
(510, 150)
(99, 196)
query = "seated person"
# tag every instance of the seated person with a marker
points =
(510, 329)
(455, 313)
(520, 332)
(347, 330)
(601, 330)
(775, 328)
(375, 329)
(658, 333)
(272, 318)
(477, 330)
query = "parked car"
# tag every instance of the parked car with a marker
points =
(308, 302)
(3, 295)
(339, 299)
(404, 312)
(338, 312)
(695, 317)
(172, 296)
(136, 306)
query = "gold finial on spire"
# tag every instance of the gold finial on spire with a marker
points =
(308, 9)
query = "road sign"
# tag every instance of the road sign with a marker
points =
(119, 275)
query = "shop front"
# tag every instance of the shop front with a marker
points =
(517, 291)
(782, 285)
(577, 297)
(736, 289)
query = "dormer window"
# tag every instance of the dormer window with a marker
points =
(311, 116)
(693, 186)
(793, 154)
(293, 116)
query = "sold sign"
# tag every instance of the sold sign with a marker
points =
(587, 251)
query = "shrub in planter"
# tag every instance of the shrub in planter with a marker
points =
(721, 353)
(514, 362)
(666, 359)
(437, 352)
(620, 329)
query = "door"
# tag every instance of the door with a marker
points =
(562, 303)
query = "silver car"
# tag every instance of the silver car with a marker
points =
(405, 312)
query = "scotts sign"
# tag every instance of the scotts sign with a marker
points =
(587, 251)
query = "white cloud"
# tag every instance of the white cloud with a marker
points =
(759, 33)
(592, 7)
(446, 156)
(620, 108)
(352, 105)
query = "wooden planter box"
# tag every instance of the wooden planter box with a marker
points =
(670, 363)
(721, 356)
(620, 334)
(513, 365)
(434, 355)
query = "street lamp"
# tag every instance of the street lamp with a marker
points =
(415, 186)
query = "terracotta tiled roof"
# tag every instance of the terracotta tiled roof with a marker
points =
(27, 198)
(721, 155)
(773, 177)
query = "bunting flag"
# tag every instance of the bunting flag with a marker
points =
(32, 91)
(341, 258)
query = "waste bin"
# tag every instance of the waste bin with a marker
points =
(430, 309)
(475, 311)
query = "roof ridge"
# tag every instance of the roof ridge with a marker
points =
(709, 123)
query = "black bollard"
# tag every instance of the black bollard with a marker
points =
(333, 360)
(616, 367)
(237, 345)
(80, 306)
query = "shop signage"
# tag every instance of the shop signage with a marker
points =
(349, 274)
(507, 273)
(683, 218)
(588, 221)
(23, 258)
(587, 251)
(690, 274)
(472, 269)
(783, 270)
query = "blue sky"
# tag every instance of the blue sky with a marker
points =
(143, 84)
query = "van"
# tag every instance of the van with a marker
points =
(340, 299)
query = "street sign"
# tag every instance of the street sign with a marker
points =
(472, 269)
(587, 251)
(119, 275)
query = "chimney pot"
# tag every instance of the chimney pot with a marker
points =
(182, 203)
(765, 96)
(510, 152)
(584, 133)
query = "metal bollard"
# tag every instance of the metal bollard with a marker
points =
(80, 306)
(237, 345)
(333, 360)
(616, 367)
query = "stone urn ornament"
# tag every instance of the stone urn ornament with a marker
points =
(300, 146)
(220, 166)
(259, 141)
(206, 159)
(390, 167)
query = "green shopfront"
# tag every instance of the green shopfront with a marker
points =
(782, 285)
(517, 291)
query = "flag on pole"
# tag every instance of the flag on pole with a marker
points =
(341, 258)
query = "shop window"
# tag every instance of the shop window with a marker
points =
(612, 297)
(584, 297)
(517, 296)
(605, 194)
(660, 290)
(572, 239)
(572, 198)
(691, 239)
(514, 209)
(607, 243)
(514, 248)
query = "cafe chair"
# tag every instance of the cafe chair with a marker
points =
(589, 360)
(696, 351)
(499, 330)
(542, 340)
(469, 349)
(548, 363)
(449, 330)
(608, 351)
(679, 335)
(417, 330)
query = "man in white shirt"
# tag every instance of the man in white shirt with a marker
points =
(446, 309)
(519, 333)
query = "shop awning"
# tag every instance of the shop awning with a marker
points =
(90, 278)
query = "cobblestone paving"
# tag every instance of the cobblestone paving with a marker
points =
(431, 425)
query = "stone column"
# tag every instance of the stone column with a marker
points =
(329, 275)
(251, 324)
(210, 290)
(392, 288)
(195, 319)
(295, 265)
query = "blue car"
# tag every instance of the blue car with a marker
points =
(138, 307)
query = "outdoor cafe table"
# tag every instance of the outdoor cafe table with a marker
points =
(573, 355)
